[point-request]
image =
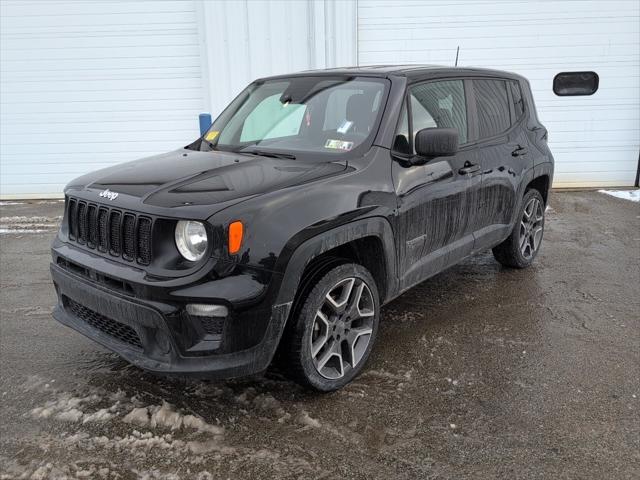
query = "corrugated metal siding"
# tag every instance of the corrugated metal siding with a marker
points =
(89, 84)
(595, 139)
(249, 39)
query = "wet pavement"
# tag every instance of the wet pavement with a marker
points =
(480, 372)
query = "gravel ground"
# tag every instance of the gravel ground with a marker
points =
(480, 372)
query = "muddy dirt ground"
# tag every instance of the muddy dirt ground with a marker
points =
(480, 372)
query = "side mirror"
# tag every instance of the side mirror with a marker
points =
(205, 122)
(436, 142)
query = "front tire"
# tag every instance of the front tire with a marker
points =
(520, 249)
(335, 329)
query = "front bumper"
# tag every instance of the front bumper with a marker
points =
(156, 336)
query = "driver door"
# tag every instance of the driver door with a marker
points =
(434, 219)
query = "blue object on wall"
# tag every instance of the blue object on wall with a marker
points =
(205, 122)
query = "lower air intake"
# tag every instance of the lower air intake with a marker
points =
(115, 329)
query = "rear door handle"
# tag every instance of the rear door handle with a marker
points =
(469, 168)
(520, 150)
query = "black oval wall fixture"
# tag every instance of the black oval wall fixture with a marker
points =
(567, 84)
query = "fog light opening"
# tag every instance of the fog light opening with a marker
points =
(206, 310)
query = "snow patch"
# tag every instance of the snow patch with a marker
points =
(388, 375)
(147, 442)
(137, 416)
(631, 195)
(101, 415)
(305, 419)
(118, 396)
(166, 416)
(244, 397)
(65, 408)
(158, 475)
(43, 470)
(198, 448)
(13, 231)
(155, 475)
(68, 408)
(72, 415)
(20, 220)
(22, 224)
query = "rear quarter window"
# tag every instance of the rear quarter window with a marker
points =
(492, 103)
(518, 101)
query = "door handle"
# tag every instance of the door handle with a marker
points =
(520, 150)
(469, 168)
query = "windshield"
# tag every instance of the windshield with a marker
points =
(326, 115)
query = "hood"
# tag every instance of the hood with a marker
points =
(188, 179)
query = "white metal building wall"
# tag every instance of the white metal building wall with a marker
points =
(595, 139)
(248, 39)
(89, 84)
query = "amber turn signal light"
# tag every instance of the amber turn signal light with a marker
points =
(235, 236)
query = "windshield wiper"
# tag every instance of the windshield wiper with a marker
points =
(262, 153)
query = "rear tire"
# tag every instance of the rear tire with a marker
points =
(520, 249)
(334, 330)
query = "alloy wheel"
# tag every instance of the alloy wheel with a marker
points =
(531, 228)
(342, 328)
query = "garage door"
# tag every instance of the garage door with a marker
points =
(87, 85)
(595, 139)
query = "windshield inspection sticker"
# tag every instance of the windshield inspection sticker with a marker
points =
(211, 136)
(344, 127)
(339, 145)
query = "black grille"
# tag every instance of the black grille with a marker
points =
(117, 330)
(103, 229)
(73, 219)
(92, 220)
(144, 241)
(82, 223)
(129, 237)
(122, 234)
(114, 233)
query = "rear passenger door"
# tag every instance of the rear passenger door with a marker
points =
(502, 146)
(433, 224)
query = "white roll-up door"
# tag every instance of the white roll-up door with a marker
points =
(595, 139)
(88, 84)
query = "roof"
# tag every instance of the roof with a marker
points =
(411, 72)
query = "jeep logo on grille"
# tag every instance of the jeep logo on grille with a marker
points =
(109, 194)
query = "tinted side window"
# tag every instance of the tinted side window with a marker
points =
(518, 102)
(493, 107)
(439, 104)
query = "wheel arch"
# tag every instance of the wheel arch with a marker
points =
(363, 241)
(541, 183)
(539, 177)
(542, 179)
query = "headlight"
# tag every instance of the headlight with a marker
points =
(191, 239)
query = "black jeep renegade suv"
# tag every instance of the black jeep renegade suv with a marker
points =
(312, 200)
